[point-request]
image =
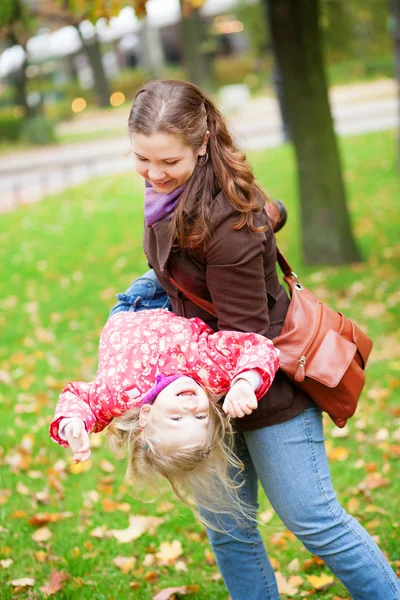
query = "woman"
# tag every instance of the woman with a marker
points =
(207, 230)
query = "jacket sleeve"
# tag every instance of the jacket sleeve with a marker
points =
(91, 402)
(235, 277)
(235, 353)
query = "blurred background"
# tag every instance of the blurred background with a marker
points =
(69, 70)
(310, 91)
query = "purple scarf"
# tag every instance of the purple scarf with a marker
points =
(157, 206)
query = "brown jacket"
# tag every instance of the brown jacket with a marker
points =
(237, 272)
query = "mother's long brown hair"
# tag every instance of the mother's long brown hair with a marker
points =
(182, 109)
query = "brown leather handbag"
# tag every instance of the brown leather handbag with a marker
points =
(321, 350)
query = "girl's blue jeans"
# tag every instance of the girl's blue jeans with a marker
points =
(290, 461)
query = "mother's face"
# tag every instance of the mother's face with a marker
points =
(164, 160)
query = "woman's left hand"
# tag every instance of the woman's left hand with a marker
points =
(240, 400)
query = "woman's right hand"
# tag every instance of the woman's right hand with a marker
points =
(78, 440)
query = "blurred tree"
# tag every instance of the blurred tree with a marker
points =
(326, 231)
(16, 27)
(73, 12)
(253, 18)
(193, 36)
(355, 29)
(395, 26)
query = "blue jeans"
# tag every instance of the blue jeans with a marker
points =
(289, 460)
(144, 293)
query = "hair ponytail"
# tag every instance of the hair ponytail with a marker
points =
(182, 109)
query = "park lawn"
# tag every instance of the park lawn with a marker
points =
(62, 261)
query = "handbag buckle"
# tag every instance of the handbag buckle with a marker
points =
(297, 284)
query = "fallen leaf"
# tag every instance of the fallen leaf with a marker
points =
(106, 466)
(336, 453)
(137, 526)
(169, 552)
(267, 515)
(165, 507)
(294, 566)
(149, 560)
(42, 535)
(295, 580)
(99, 532)
(40, 556)
(320, 582)
(274, 563)
(353, 505)
(22, 488)
(125, 563)
(167, 593)
(382, 434)
(372, 482)
(23, 582)
(44, 518)
(7, 562)
(379, 394)
(372, 508)
(372, 524)
(19, 514)
(109, 505)
(150, 576)
(336, 432)
(278, 539)
(80, 467)
(180, 565)
(284, 587)
(55, 584)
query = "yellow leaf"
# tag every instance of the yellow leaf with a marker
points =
(274, 563)
(337, 453)
(137, 526)
(80, 467)
(320, 582)
(295, 581)
(353, 505)
(169, 552)
(40, 556)
(23, 582)
(125, 563)
(294, 566)
(372, 508)
(42, 535)
(106, 466)
(267, 515)
(284, 587)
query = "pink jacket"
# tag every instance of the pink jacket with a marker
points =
(136, 347)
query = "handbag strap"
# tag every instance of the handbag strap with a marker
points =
(209, 306)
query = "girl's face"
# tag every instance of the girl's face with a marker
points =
(179, 415)
(164, 160)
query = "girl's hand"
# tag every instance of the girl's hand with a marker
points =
(78, 440)
(240, 400)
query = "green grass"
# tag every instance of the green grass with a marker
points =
(62, 261)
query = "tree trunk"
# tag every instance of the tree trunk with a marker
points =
(192, 36)
(395, 13)
(152, 49)
(325, 224)
(93, 52)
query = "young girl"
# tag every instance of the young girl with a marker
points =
(159, 378)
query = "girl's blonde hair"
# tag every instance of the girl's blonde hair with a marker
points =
(201, 472)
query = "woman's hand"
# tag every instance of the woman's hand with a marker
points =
(78, 440)
(240, 400)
